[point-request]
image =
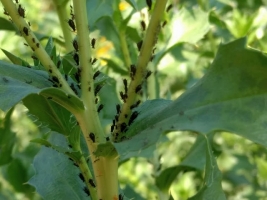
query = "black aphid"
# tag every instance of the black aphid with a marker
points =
(168, 8)
(34, 57)
(81, 177)
(123, 127)
(98, 88)
(29, 23)
(17, 1)
(50, 71)
(49, 98)
(164, 23)
(70, 146)
(133, 117)
(55, 79)
(92, 183)
(118, 108)
(75, 45)
(37, 45)
(72, 24)
(93, 61)
(123, 97)
(73, 88)
(5, 80)
(112, 128)
(125, 115)
(100, 107)
(33, 40)
(125, 86)
(107, 138)
(21, 11)
(58, 63)
(149, 4)
(92, 137)
(148, 74)
(26, 44)
(85, 189)
(143, 25)
(138, 88)
(139, 45)
(96, 100)
(132, 71)
(96, 74)
(135, 104)
(76, 58)
(116, 118)
(93, 42)
(26, 31)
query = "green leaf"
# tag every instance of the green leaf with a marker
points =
(212, 188)
(69, 101)
(6, 25)
(55, 175)
(197, 152)
(14, 59)
(231, 97)
(55, 116)
(97, 9)
(7, 140)
(188, 25)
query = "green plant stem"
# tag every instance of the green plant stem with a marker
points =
(63, 17)
(34, 43)
(124, 48)
(148, 43)
(105, 169)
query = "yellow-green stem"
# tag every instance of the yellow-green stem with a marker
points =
(34, 43)
(63, 19)
(146, 51)
(124, 48)
(105, 169)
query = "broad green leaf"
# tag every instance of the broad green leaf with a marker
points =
(6, 25)
(188, 25)
(55, 116)
(55, 175)
(197, 152)
(69, 101)
(97, 9)
(7, 140)
(212, 188)
(231, 97)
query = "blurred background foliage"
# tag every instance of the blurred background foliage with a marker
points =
(180, 60)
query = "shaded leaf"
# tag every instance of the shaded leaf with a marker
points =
(231, 96)
(6, 25)
(55, 176)
(212, 188)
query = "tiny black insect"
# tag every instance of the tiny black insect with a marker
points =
(55, 79)
(33, 40)
(135, 104)
(73, 88)
(37, 45)
(85, 189)
(107, 138)
(21, 11)
(66, 77)
(81, 177)
(123, 126)
(78, 86)
(6, 13)
(76, 58)
(125, 86)
(49, 98)
(116, 118)
(26, 31)
(29, 23)
(33, 49)
(89, 89)
(125, 115)
(58, 63)
(100, 107)
(132, 71)
(168, 8)
(164, 23)
(120, 197)
(50, 71)
(70, 146)
(92, 183)
(149, 4)
(75, 45)
(118, 108)
(35, 58)
(96, 74)
(112, 128)
(93, 43)
(92, 137)
(143, 25)
(123, 97)
(5, 80)
(77, 77)
(17, 1)
(139, 45)
(72, 24)
(138, 88)
(93, 61)
(133, 117)
(152, 57)
(148, 74)
(26, 44)
(98, 88)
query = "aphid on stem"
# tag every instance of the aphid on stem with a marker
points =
(139, 45)
(168, 8)
(93, 60)
(21, 11)
(100, 107)
(138, 88)
(132, 71)
(98, 88)
(26, 31)
(5, 12)
(143, 25)
(92, 183)
(76, 58)
(133, 117)
(75, 45)
(125, 86)
(85, 189)
(92, 137)
(93, 41)
(164, 23)
(148, 74)
(96, 74)
(149, 4)
(72, 24)
(118, 108)
(81, 177)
